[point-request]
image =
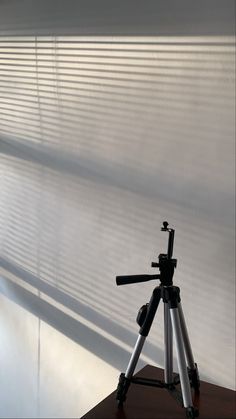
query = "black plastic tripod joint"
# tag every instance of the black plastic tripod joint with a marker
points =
(122, 388)
(171, 295)
(166, 267)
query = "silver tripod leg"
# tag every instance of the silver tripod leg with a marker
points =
(135, 356)
(183, 372)
(187, 346)
(168, 346)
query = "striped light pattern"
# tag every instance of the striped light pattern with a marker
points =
(104, 137)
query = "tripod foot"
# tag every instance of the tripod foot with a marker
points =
(122, 389)
(191, 413)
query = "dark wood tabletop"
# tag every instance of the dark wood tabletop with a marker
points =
(145, 402)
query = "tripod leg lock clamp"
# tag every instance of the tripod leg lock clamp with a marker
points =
(122, 388)
(142, 314)
(194, 377)
(192, 413)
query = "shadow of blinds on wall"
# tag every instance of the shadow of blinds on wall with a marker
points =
(92, 133)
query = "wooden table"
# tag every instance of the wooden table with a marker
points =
(144, 402)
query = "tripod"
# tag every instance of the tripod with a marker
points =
(174, 324)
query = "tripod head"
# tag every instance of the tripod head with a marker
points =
(165, 264)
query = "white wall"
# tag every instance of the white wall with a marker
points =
(150, 139)
(46, 374)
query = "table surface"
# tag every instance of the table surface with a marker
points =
(144, 402)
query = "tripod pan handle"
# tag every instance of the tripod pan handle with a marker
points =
(132, 279)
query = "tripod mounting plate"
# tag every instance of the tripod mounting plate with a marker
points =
(171, 232)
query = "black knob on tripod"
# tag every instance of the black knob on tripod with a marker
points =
(155, 265)
(165, 225)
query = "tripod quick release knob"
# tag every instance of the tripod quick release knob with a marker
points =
(155, 265)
